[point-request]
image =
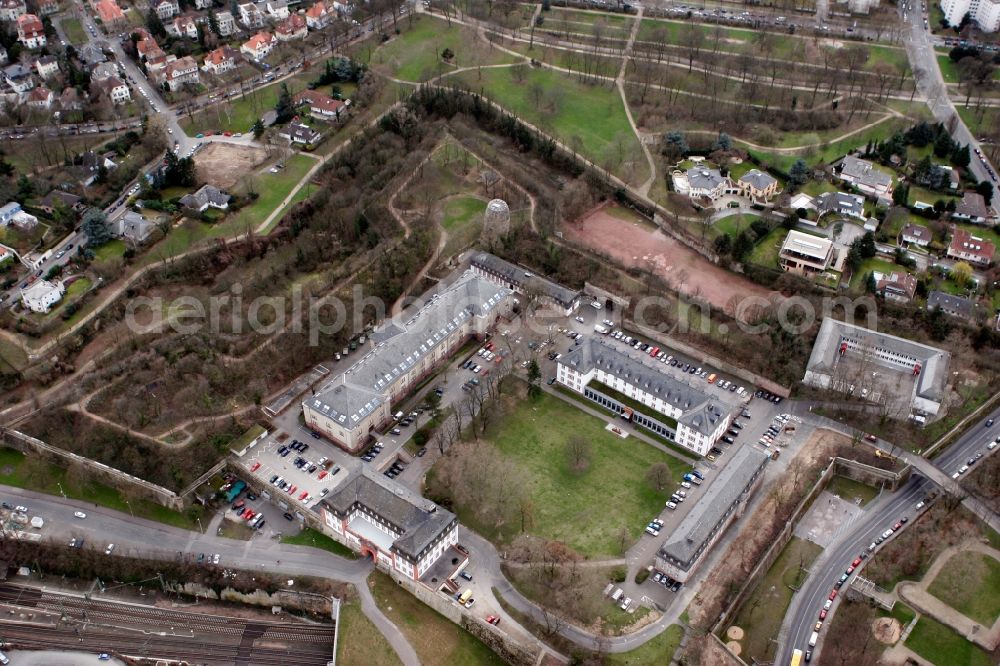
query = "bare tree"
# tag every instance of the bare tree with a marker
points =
(578, 453)
(658, 476)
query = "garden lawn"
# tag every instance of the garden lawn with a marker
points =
(462, 218)
(360, 643)
(111, 250)
(591, 117)
(651, 653)
(47, 478)
(928, 196)
(415, 55)
(533, 439)
(732, 225)
(310, 537)
(970, 583)
(74, 31)
(765, 253)
(436, 640)
(870, 265)
(941, 646)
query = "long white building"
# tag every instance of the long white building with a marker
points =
(984, 12)
(644, 394)
(359, 401)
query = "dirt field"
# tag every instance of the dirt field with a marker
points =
(610, 231)
(223, 164)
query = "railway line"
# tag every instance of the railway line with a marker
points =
(144, 631)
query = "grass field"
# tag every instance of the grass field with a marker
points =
(590, 118)
(462, 218)
(240, 113)
(415, 55)
(74, 31)
(851, 490)
(360, 643)
(274, 187)
(437, 641)
(761, 615)
(652, 653)
(941, 646)
(765, 252)
(970, 583)
(734, 224)
(52, 479)
(533, 438)
(310, 537)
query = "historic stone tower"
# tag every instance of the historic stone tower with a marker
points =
(496, 219)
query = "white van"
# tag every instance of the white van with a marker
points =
(813, 639)
(617, 595)
(4, 659)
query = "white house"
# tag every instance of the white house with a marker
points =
(10, 10)
(258, 46)
(221, 60)
(30, 31)
(226, 23)
(277, 10)
(166, 9)
(181, 71)
(318, 16)
(12, 213)
(47, 66)
(42, 295)
(250, 16)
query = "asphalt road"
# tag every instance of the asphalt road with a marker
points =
(880, 514)
(972, 441)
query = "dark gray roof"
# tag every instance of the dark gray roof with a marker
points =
(91, 54)
(953, 305)
(519, 277)
(206, 194)
(972, 205)
(840, 202)
(358, 391)
(863, 172)
(703, 178)
(416, 520)
(685, 542)
(16, 71)
(700, 412)
(67, 199)
(758, 179)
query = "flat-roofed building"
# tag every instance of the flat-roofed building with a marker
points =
(805, 253)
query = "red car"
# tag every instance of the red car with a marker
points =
(255, 467)
(292, 489)
(897, 526)
(833, 595)
(493, 619)
(305, 493)
(227, 133)
(850, 570)
(856, 562)
(822, 614)
(322, 474)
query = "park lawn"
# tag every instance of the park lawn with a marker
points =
(588, 17)
(74, 31)
(941, 646)
(761, 614)
(588, 64)
(869, 266)
(310, 537)
(462, 219)
(732, 40)
(359, 642)
(272, 188)
(765, 253)
(949, 68)
(415, 55)
(113, 249)
(654, 652)
(51, 479)
(592, 118)
(238, 114)
(533, 436)
(970, 583)
(304, 193)
(851, 490)
(436, 640)
(732, 225)
(11, 355)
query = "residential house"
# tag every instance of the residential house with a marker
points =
(30, 31)
(226, 23)
(866, 177)
(206, 196)
(18, 77)
(47, 66)
(840, 203)
(320, 105)
(955, 306)
(181, 71)
(804, 253)
(705, 182)
(12, 214)
(970, 248)
(147, 46)
(134, 227)
(166, 9)
(914, 234)
(42, 295)
(276, 10)
(250, 16)
(220, 60)
(40, 98)
(47, 7)
(11, 10)
(104, 71)
(258, 46)
(114, 89)
(91, 55)
(59, 200)
(70, 100)
(972, 207)
(318, 16)
(896, 286)
(111, 14)
(203, 4)
(291, 28)
(297, 133)
(183, 26)
(92, 163)
(757, 185)
(156, 62)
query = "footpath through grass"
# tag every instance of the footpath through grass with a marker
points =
(970, 583)
(941, 646)
(437, 640)
(360, 643)
(310, 537)
(35, 474)
(652, 653)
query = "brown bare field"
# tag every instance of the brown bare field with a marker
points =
(223, 164)
(610, 231)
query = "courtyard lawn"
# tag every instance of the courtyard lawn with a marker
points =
(360, 643)
(415, 55)
(851, 490)
(941, 646)
(869, 266)
(74, 31)
(970, 583)
(588, 118)
(651, 653)
(533, 439)
(52, 479)
(436, 640)
(310, 537)
(462, 218)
